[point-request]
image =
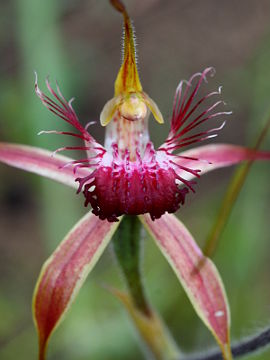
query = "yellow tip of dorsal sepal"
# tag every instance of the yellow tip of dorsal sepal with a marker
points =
(129, 102)
(128, 78)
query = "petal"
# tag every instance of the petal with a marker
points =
(109, 110)
(202, 285)
(64, 272)
(153, 108)
(211, 157)
(41, 162)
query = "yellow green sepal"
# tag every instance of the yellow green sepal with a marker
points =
(130, 102)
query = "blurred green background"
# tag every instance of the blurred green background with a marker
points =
(78, 43)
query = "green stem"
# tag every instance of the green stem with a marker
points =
(126, 244)
(127, 248)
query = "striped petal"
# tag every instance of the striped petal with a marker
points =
(41, 162)
(202, 284)
(65, 271)
(211, 157)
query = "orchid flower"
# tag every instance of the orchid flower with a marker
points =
(127, 176)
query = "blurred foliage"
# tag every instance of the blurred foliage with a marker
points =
(78, 42)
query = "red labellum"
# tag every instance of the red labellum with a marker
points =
(115, 191)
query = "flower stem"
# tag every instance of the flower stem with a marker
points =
(126, 244)
(155, 335)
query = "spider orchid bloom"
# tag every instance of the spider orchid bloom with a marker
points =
(128, 176)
